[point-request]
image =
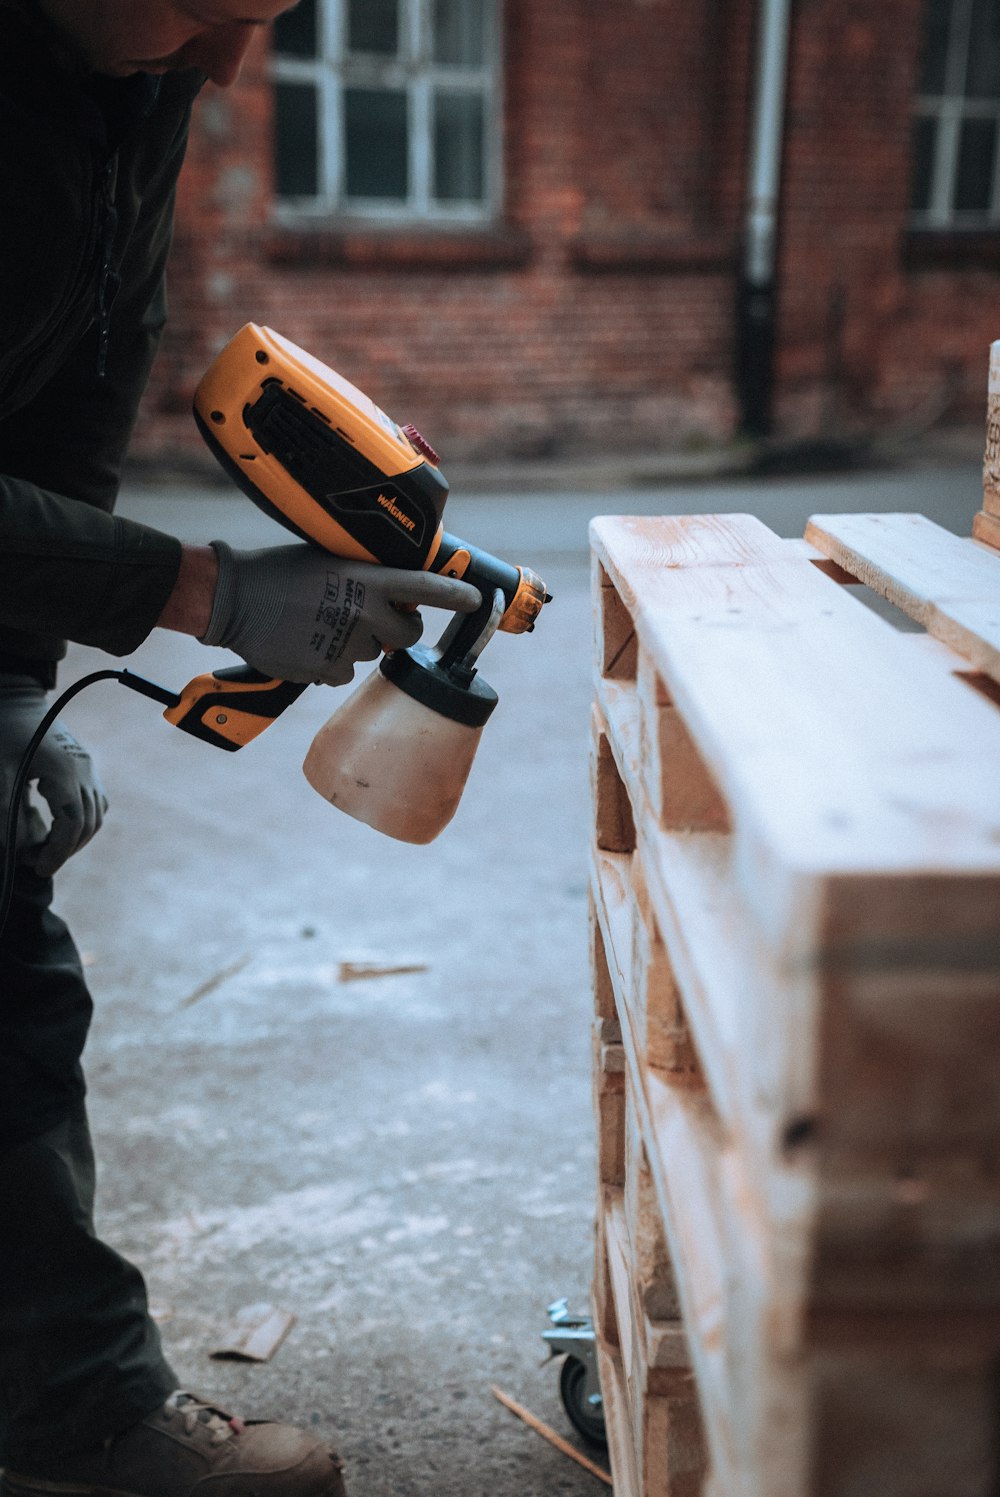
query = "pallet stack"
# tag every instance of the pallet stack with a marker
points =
(796, 958)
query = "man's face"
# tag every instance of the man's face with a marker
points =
(121, 37)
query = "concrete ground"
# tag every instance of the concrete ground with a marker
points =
(404, 1161)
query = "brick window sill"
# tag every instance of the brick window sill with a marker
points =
(947, 249)
(403, 248)
(661, 253)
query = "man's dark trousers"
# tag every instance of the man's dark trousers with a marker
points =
(80, 1358)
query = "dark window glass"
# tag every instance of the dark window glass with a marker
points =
(296, 160)
(932, 77)
(458, 147)
(984, 51)
(976, 151)
(924, 137)
(373, 26)
(376, 134)
(458, 31)
(295, 33)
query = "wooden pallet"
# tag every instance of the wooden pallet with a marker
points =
(796, 880)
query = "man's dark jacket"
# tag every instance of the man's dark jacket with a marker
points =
(88, 169)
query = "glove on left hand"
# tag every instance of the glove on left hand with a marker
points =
(64, 774)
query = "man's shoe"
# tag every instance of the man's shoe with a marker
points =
(190, 1448)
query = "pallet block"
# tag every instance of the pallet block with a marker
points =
(991, 456)
(986, 525)
(609, 1110)
(795, 873)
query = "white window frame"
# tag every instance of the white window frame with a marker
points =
(413, 71)
(949, 110)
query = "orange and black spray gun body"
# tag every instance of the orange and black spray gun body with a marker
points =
(323, 460)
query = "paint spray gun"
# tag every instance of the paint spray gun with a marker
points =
(323, 460)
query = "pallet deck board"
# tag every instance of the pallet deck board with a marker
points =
(949, 585)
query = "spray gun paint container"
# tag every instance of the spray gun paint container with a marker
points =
(396, 755)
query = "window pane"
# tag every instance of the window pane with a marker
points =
(375, 131)
(458, 31)
(977, 145)
(373, 26)
(296, 163)
(935, 46)
(295, 31)
(924, 136)
(458, 147)
(984, 51)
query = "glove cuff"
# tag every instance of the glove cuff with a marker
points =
(249, 597)
(225, 596)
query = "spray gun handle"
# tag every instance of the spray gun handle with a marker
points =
(230, 707)
(468, 634)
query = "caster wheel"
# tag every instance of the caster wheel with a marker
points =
(586, 1414)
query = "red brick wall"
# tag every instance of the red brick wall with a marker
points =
(600, 316)
(868, 338)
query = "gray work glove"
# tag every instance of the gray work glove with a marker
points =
(63, 772)
(299, 614)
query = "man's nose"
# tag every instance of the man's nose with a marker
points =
(220, 51)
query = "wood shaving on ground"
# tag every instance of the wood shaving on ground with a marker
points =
(533, 1422)
(256, 1334)
(216, 981)
(359, 971)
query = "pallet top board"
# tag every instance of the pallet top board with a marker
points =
(948, 584)
(840, 747)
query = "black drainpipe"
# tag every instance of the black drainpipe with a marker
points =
(757, 291)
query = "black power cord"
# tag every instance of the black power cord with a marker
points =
(125, 678)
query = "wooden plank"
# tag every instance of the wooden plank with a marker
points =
(950, 585)
(684, 543)
(255, 1334)
(617, 1422)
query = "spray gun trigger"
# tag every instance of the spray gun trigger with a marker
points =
(463, 665)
